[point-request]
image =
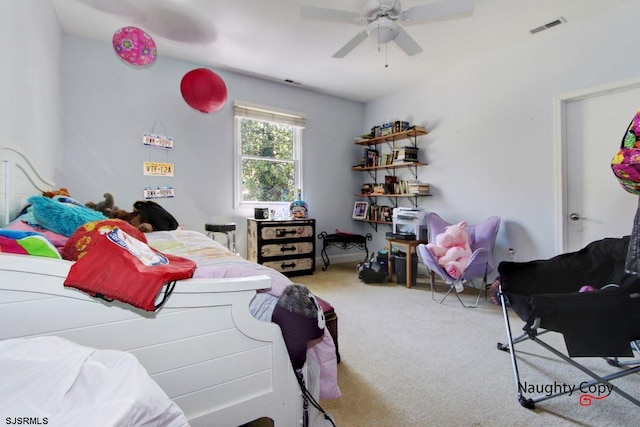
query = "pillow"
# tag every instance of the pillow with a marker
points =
(59, 217)
(82, 239)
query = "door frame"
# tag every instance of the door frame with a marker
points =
(560, 137)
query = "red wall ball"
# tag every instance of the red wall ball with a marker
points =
(204, 90)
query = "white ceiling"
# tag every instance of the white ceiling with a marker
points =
(269, 39)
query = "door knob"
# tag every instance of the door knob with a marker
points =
(574, 216)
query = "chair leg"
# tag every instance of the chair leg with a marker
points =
(452, 290)
(480, 291)
(462, 302)
(482, 288)
(432, 281)
(527, 403)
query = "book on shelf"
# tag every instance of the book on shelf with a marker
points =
(390, 184)
(393, 186)
(371, 157)
(374, 213)
(378, 189)
(400, 126)
(386, 129)
(418, 188)
(405, 154)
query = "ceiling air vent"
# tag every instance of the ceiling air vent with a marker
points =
(549, 25)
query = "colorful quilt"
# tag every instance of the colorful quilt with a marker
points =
(213, 259)
(26, 243)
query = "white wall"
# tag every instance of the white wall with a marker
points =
(30, 81)
(491, 142)
(80, 113)
(490, 147)
(108, 105)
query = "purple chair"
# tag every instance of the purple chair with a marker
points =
(483, 238)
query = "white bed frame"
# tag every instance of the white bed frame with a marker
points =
(203, 347)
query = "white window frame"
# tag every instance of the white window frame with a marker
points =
(245, 110)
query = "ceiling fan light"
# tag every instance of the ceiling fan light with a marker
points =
(384, 30)
(385, 35)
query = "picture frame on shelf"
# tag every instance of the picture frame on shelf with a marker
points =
(385, 213)
(360, 209)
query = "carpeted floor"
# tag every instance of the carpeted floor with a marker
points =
(409, 361)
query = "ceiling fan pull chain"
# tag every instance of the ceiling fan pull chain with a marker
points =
(386, 56)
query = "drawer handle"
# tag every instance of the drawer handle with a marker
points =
(289, 249)
(281, 232)
(292, 265)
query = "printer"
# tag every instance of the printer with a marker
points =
(410, 221)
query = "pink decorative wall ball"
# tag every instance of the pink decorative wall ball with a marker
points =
(203, 90)
(135, 46)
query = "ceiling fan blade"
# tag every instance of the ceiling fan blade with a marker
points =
(439, 10)
(351, 44)
(406, 43)
(333, 15)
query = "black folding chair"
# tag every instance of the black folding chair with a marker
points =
(604, 322)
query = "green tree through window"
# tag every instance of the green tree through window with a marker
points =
(268, 167)
(268, 147)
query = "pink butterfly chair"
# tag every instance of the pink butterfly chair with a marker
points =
(483, 238)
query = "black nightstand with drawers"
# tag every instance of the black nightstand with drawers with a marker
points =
(288, 246)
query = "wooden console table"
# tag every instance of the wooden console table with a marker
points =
(410, 247)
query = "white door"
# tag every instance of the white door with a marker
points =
(596, 205)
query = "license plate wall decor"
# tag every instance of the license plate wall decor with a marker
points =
(158, 169)
(157, 141)
(164, 192)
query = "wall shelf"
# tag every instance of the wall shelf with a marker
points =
(405, 160)
(414, 132)
(390, 167)
(371, 195)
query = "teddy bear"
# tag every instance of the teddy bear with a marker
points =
(452, 249)
(105, 206)
(133, 218)
(61, 192)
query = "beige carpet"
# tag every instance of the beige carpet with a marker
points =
(409, 361)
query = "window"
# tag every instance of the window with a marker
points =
(268, 153)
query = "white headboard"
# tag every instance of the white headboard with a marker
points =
(19, 179)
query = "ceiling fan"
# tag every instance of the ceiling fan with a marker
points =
(381, 16)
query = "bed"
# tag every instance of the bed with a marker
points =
(203, 347)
